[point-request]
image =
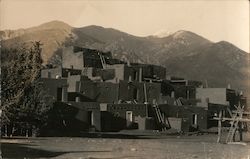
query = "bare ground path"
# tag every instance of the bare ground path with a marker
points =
(125, 147)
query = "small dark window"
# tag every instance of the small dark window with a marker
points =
(135, 75)
(135, 93)
(59, 94)
(49, 74)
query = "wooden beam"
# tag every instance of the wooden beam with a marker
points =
(219, 127)
(146, 98)
(231, 119)
(234, 111)
(230, 112)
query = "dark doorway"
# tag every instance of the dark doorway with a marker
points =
(90, 118)
(59, 94)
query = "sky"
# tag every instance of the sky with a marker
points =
(215, 20)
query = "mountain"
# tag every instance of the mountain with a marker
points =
(220, 64)
(180, 43)
(122, 45)
(52, 35)
(183, 53)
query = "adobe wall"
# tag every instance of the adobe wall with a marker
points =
(114, 119)
(82, 114)
(71, 58)
(63, 120)
(107, 92)
(127, 91)
(149, 71)
(59, 72)
(186, 113)
(214, 95)
(51, 73)
(51, 87)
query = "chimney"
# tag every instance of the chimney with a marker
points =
(129, 78)
(128, 62)
(140, 75)
(172, 94)
(188, 94)
(77, 99)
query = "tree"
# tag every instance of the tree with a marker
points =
(24, 102)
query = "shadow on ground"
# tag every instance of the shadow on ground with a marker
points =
(115, 136)
(14, 150)
(103, 135)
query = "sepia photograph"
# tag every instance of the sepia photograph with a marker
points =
(125, 79)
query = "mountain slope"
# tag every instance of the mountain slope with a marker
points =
(121, 44)
(180, 43)
(52, 35)
(183, 53)
(220, 64)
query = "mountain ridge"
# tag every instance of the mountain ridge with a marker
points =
(183, 53)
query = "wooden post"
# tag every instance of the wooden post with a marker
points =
(145, 93)
(12, 130)
(237, 123)
(5, 130)
(140, 74)
(27, 130)
(219, 126)
(241, 130)
(27, 133)
(146, 98)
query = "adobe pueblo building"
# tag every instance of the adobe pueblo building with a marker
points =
(94, 92)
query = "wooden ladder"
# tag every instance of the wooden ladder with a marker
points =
(234, 125)
(159, 116)
(236, 120)
(102, 61)
(232, 130)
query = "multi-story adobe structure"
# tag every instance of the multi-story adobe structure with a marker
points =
(107, 94)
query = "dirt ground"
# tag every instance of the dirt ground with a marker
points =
(125, 146)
